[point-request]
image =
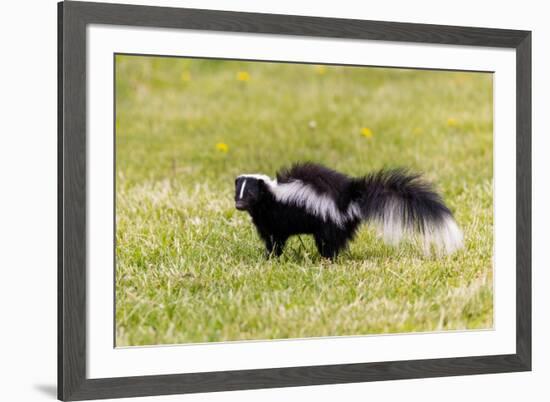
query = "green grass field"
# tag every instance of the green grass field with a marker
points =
(190, 268)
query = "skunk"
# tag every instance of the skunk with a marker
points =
(309, 198)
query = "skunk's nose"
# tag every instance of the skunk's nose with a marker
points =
(240, 205)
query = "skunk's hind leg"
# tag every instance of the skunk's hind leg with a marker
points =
(330, 241)
(274, 245)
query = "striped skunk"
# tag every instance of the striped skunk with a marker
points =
(309, 198)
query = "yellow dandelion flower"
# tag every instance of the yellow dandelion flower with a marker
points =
(417, 131)
(452, 122)
(222, 147)
(185, 76)
(243, 76)
(366, 132)
(320, 70)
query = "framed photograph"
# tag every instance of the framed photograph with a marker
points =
(256, 201)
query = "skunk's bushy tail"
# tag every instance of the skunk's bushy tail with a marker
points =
(401, 205)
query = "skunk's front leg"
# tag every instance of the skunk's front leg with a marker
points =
(274, 245)
(274, 242)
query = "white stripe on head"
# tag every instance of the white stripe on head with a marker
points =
(242, 189)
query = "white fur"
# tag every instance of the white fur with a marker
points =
(302, 195)
(242, 189)
(392, 226)
(445, 237)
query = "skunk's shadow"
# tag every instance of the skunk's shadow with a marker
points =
(304, 255)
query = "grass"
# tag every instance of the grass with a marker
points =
(190, 268)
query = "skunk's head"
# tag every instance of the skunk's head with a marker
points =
(249, 190)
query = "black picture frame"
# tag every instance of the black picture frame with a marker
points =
(73, 18)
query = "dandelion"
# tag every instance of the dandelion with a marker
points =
(243, 76)
(366, 132)
(312, 124)
(222, 147)
(417, 131)
(320, 70)
(452, 122)
(185, 76)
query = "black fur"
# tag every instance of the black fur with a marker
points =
(276, 221)
(422, 204)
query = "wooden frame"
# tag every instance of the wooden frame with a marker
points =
(73, 18)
